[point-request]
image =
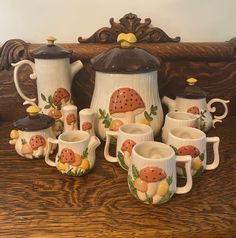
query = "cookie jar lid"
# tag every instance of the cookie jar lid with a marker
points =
(34, 121)
(126, 58)
(192, 91)
(50, 51)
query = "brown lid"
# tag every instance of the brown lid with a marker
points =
(51, 51)
(34, 121)
(125, 59)
(192, 91)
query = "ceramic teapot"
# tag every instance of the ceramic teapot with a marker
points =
(54, 75)
(31, 134)
(126, 87)
(193, 100)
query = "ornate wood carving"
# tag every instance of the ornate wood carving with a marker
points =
(13, 51)
(129, 23)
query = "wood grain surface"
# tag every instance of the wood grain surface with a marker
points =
(37, 201)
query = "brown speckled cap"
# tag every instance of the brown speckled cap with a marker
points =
(125, 60)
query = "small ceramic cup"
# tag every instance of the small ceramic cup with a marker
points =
(76, 152)
(152, 174)
(177, 119)
(127, 136)
(192, 141)
(69, 114)
(87, 120)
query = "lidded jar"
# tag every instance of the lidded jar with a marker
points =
(126, 87)
(31, 134)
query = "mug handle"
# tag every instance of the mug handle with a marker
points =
(216, 141)
(107, 156)
(17, 65)
(187, 159)
(47, 159)
(213, 109)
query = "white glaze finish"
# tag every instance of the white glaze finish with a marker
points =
(146, 84)
(155, 155)
(128, 132)
(187, 136)
(177, 119)
(87, 115)
(70, 110)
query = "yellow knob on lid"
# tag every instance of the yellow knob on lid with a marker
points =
(191, 81)
(51, 40)
(126, 40)
(33, 110)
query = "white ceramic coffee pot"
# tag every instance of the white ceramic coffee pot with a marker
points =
(54, 75)
(193, 100)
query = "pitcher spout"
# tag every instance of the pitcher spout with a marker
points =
(76, 67)
(170, 103)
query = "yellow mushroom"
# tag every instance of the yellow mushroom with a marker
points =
(33, 110)
(126, 40)
(14, 135)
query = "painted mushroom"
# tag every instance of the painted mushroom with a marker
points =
(26, 149)
(115, 125)
(71, 120)
(67, 156)
(37, 143)
(126, 148)
(126, 103)
(14, 135)
(60, 97)
(87, 126)
(194, 110)
(54, 113)
(152, 175)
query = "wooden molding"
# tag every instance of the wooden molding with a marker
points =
(129, 23)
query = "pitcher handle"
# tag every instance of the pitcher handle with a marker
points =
(47, 159)
(216, 141)
(213, 109)
(187, 159)
(107, 156)
(17, 65)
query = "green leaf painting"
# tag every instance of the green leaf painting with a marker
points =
(201, 156)
(122, 161)
(169, 180)
(106, 118)
(153, 112)
(135, 172)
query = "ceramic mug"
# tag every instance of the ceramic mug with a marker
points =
(152, 174)
(76, 152)
(69, 114)
(192, 141)
(177, 119)
(127, 136)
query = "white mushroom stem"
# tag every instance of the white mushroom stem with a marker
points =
(13, 141)
(127, 158)
(156, 199)
(152, 188)
(129, 117)
(141, 196)
(39, 151)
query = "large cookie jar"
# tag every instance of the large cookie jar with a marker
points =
(126, 87)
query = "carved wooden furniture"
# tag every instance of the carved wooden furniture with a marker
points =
(41, 202)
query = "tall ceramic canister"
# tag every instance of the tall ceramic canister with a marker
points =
(126, 87)
(54, 75)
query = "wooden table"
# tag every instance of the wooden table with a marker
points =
(37, 201)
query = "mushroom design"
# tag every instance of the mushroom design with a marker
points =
(87, 126)
(194, 110)
(60, 97)
(54, 113)
(126, 103)
(26, 149)
(115, 125)
(37, 143)
(14, 135)
(71, 120)
(147, 182)
(126, 148)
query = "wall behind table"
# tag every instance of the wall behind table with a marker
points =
(33, 21)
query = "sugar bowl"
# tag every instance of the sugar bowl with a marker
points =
(31, 134)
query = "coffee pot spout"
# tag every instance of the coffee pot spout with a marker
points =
(76, 67)
(170, 103)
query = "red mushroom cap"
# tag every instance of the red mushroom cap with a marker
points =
(152, 174)
(67, 156)
(86, 126)
(37, 141)
(59, 94)
(70, 118)
(194, 110)
(188, 150)
(125, 100)
(128, 145)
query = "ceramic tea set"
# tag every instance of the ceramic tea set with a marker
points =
(125, 108)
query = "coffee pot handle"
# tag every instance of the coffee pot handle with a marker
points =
(49, 147)
(216, 141)
(17, 65)
(187, 159)
(107, 156)
(213, 109)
